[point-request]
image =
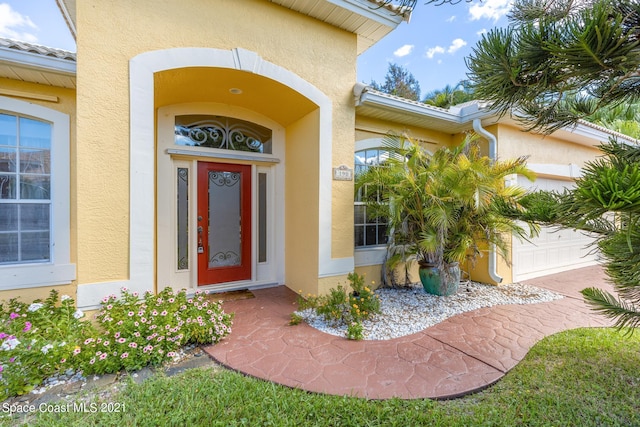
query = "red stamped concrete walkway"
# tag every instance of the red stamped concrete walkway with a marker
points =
(461, 355)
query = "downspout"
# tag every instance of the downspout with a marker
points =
(493, 145)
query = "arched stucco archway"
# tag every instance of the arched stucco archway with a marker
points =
(143, 68)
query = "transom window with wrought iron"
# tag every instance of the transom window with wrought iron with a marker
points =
(222, 132)
(368, 231)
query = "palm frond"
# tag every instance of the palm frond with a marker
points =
(626, 315)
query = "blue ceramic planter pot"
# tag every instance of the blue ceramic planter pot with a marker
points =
(440, 283)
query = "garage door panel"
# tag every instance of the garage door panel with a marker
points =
(553, 250)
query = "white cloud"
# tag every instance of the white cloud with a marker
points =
(403, 51)
(482, 31)
(455, 45)
(451, 19)
(432, 51)
(13, 25)
(490, 9)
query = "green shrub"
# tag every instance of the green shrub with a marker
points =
(332, 306)
(38, 340)
(363, 302)
(296, 319)
(338, 307)
(139, 332)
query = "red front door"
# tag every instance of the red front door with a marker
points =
(224, 223)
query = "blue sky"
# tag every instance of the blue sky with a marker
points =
(35, 21)
(432, 46)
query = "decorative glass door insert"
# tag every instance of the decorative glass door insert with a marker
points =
(224, 223)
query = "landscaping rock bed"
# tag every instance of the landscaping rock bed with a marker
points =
(410, 309)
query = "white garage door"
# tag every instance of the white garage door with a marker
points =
(554, 250)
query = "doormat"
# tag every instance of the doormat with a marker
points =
(231, 295)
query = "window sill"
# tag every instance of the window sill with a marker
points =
(36, 275)
(371, 255)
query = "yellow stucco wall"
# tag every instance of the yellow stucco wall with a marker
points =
(371, 273)
(28, 295)
(66, 104)
(111, 33)
(513, 142)
(342, 191)
(301, 206)
(479, 271)
(367, 127)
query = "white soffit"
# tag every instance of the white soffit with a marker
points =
(37, 64)
(368, 20)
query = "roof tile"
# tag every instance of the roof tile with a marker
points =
(37, 49)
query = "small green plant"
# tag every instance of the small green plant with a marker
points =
(310, 301)
(363, 302)
(37, 340)
(296, 319)
(355, 331)
(342, 308)
(332, 306)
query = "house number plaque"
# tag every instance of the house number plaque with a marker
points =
(342, 173)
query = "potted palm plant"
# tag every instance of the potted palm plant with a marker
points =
(442, 208)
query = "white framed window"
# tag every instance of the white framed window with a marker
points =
(368, 231)
(370, 235)
(34, 196)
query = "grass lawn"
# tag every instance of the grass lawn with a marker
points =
(584, 377)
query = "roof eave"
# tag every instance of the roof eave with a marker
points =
(368, 20)
(68, 17)
(592, 131)
(464, 116)
(37, 62)
(460, 118)
(378, 13)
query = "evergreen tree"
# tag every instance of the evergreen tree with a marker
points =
(399, 82)
(623, 118)
(560, 61)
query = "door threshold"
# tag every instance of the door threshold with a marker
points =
(228, 287)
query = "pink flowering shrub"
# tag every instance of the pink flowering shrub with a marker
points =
(139, 332)
(37, 340)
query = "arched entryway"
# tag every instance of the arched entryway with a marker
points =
(308, 168)
(222, 137)
(307, 192)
